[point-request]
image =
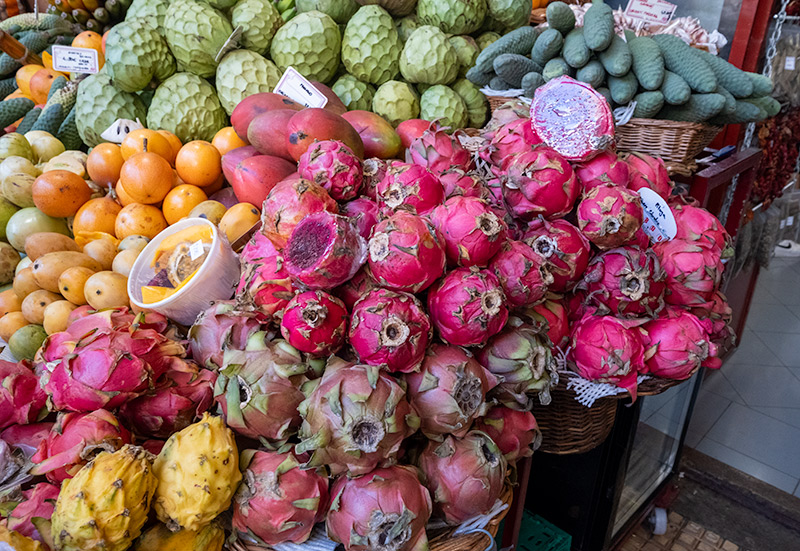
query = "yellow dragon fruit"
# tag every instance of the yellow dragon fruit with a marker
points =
(18, 542)
(160, 538)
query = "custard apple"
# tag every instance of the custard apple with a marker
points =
(148, 8)
(187, 106)
(396, 102)
(136, 53)
(221, 4)
(310, 42)
(487, 39)
(195, 33)
(467, 51)
(475, 100)
(242, 73)
(453, 16)
(340, 10)
(509, 14)
(406, 26)
(428, 57)
(397, 8)
(99, 104)
(259, 20)
(371, 46)
(442, 103)
(356, 95)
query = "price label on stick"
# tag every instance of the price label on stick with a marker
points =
(75, 60)
(295, 86)
(788, 65)
(658, 12)
(658, 222)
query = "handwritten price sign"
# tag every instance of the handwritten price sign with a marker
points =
(659, 222)
(659, 12)
(75, 60)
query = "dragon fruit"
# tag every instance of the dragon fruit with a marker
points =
(264, 288)
(26, 437)
(514, 137)
(390, 329)
(387, 509)
(539, 182)
(374, 171)
(694, 270)
(625, 282)
(604, 168)
(409, 187)
(258, 390)
(449, 391)
(610, 216)
(494, 187)
(697, 224)
(363, 213)
(467, 306)
(352, 291)
(457, 183)
(21, 399)
(221, 326)
(38, 502)
(315, 322)
(716, 317)
(523, 363)
(677, 345)
(334, 166)
(505, 115)
(606, 349)
(563, 246)
(74, 440)
(473, 234)
(406, 253)
(354, 419)
(289, 203)
(257, 249)
(439, 151)
(523, 274)
(550, 317)
(465, 475)
(278, 501)
(179, 399)
(324, 251)
(648, 172)
(515, 432)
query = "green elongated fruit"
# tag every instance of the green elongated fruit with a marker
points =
(675, 89)
(27, 21)
(647, 62)
(745, 112)
(684, 60)
(555, 68)
(733, 79)
(616, 58)
(519, 41)
(68, 132)
(762, 86)
(606, 93)
(57, 85)
(770, 105)
(480, 78)
(592, 74)
(512, 67)
(13, 110)
(7, 85)
(730, 101)
(699, 108)
(499, 84)
(648, 104)
(622, 89)
(547, 46)
(102, 15)
(575, 51)
(531, 82)
(560, 17)
(50, 120)
(598, 26)
(29, 120)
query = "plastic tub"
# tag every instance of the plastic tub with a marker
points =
(215, 280)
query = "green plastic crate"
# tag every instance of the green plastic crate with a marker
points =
(536, 534)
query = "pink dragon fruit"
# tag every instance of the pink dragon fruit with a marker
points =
(473, 234)
(457, 183)
(539, 183)
(363, 212)
(449, 391)
(523, 274)
(575, 304)
(21, 399)
(352, 291)
(694, 270)
(465, 475)
(565, 249)
(605, 168)
(648, 172)
(625, 282)
(354, 419)
(610, 216)
(257, 249)
(315, 322)
(515, 432)
(494, 187)
(716, 317)
(324, 251)
(221, 326)
(514, 137)
(606, 349)
(551, 317)
(288, 204)
(505, 115)
(278, 501)
(406, 253)
(386, 509)
(74, 440)
(26, 437)
(258, 390)
(374, 171)
(523, 363)
(677, 345)
(38, 502)
(178, 400)
(409, 187)
(697, 224)
(390, 329)
(439, 151)
(334, 166)
(264, 288)
(467, 306)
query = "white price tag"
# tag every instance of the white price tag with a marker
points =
(659, 222)
(788, 65)
(196, 250)
(783, 223)
(75, 60)
(790, 221)
(295, 86)
(659, 12)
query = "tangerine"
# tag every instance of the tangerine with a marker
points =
(143, 139)
(147, 177)
(199, 163)
(227, 139)
(96, 215)
(93, 41)
(60, 193)
(139, 219)
(180, 201)
(104, 164)
(174, 141)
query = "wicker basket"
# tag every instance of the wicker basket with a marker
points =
(496, 102)
(677, 143)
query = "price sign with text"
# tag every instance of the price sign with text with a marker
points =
(659, 12)
(75, 60)
(295, 86)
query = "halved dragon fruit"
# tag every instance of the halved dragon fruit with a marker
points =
(363, 212)
(334, 166)
(694, 271)
(565, 249)
(315, 322)
(439, 151)
(374, 171)
(697, 224)
(648, 172)
(604, 168)
(524, 275)
(220, 327)
(677, 345)
(289, 203)
(610, 216)
(473, 234)
(539, 182)
(409, 187)
(324, 251)
(516, 433)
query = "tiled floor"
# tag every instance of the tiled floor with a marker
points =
(748, 414)
(682, 535)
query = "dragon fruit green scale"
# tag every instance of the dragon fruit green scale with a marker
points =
(371, 46)
(185, 21)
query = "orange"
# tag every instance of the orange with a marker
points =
(143, 139)
(60, 193)
(226, 140)
(180, 201)
(199, 163)
(123, 197)
(138, 219)
(93, 41)
(40, 84)
(96, 215)
(104, 164)
(174, 141)
(24, 76)
(147, 177)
